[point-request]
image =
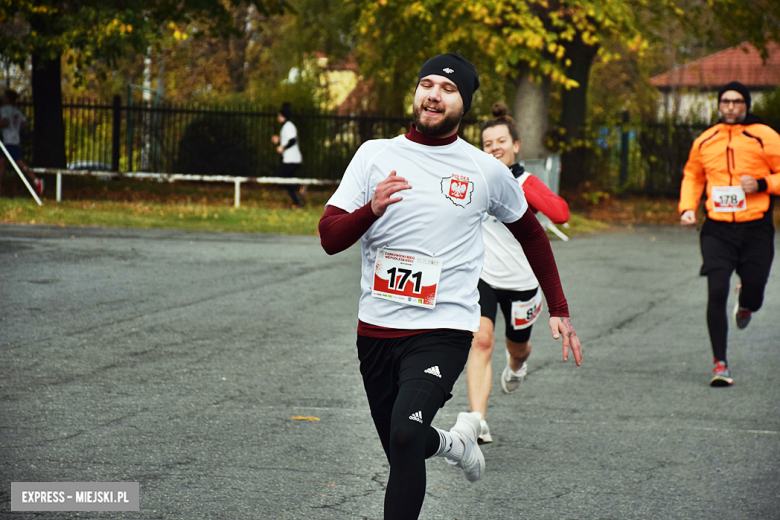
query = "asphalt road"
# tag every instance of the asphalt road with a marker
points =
(177, 360)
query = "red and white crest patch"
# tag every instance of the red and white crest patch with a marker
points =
(458, 189)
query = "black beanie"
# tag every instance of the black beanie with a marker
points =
(738, 87)
(286, 111)
(457, 69)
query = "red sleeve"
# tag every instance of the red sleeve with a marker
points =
(541, 198)
(536, 247)
(339, 229)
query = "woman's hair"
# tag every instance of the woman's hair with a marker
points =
(500, 118)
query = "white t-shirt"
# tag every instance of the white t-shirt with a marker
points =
(506, 266)
(15, 119)
(293, 153)
(440, 216)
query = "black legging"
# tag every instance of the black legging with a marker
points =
(289, 170)
(749, 251)
(404, 397)
(407, 446)
(751, 297)
(717, 315)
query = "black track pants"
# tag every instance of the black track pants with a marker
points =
(407, 380)
(725, 247)
(290, 170)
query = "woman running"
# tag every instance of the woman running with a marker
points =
(507, 279)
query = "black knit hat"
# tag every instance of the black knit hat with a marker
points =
(739, 87)
(457, 69)
(286, 111)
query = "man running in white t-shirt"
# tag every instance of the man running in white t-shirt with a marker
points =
(416, 203)
(287, 146)
(11, 122)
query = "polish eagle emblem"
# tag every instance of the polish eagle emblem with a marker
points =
(458, 189)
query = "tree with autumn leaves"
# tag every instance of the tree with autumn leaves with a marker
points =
(105, 31)
(536, 54)
(540, 46)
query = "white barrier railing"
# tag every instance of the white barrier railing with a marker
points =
(24, 179)
(173, 177)
(548, 170)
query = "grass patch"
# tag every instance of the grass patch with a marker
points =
(193, 217)
(578, 225)
(642, 210)
(188, 206)
(144, 214)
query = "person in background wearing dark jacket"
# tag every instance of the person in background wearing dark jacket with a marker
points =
(287, 146)
(507, 279)
(738, 161)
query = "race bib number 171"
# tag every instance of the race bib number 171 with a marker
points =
(406, 278)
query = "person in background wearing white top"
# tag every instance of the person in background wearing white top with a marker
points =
(287, 146)
(507, 279)
(11, 122)
(422, 251)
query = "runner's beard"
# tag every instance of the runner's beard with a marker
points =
(449, 123)
(732, 120)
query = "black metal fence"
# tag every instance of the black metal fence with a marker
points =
(236, 140)
(647, 158)
(214, 140)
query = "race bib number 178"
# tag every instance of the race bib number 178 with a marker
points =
(728, 199)
(406, 278)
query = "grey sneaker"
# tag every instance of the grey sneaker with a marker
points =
(721, 375)
(484, 436)
(741, 314)
(467, 428)
(510, 380)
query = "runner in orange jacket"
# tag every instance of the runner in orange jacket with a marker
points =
(736, 160)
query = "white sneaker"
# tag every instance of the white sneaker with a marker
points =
(467, 428)
(484, 437)
(510, 380)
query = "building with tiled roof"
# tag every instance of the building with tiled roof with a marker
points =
(689, 91)
(338, 79)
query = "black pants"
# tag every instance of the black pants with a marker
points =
(489, 300)
(726, 247)
(289, 170)
(407, 380)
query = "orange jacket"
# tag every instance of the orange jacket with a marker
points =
(721, 156)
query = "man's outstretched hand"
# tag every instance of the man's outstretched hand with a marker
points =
(384, 192)
(562, 328)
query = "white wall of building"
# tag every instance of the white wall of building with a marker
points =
(693, 107)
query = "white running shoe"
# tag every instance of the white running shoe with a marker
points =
(510, 380)
(484, 437)
(467, 428)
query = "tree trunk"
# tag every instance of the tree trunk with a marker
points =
(530, 111)
(573, 167)
(48, 125)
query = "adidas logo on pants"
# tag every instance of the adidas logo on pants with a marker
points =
(434, 371)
